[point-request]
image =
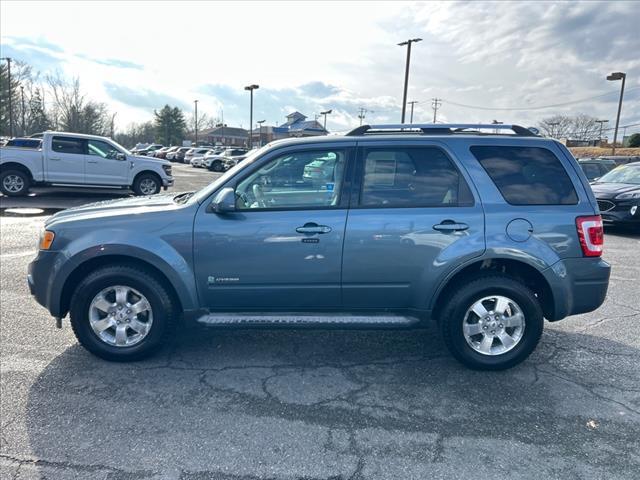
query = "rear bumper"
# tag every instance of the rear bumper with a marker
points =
(579, 285)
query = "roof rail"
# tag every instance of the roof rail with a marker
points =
(439, 129)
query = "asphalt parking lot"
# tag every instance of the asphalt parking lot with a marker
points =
(274, 404)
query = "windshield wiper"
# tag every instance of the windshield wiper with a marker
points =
(183, 197)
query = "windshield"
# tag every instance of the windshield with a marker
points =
(202, 194)
(623, 174)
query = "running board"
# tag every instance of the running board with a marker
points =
(306, 320)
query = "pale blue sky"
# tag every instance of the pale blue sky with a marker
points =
(136, 56)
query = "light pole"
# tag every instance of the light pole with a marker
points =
(325, 113)
(196, 123)
(406, 73)
(251, 88)
(260, 122)
(601, 122)
(615, 76)
(8, 59)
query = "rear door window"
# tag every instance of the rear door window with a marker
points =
(412, 177)
(68, 145)
(527, 175)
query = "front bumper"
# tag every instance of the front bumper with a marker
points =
(40, 276)
(168, 182)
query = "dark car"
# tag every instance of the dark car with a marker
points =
(618, 195)
(24, 143)
(180, 153)
(594, 168)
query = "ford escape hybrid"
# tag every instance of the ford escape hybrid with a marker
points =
(484, 229)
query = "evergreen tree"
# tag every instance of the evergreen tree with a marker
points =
(170, 125)
(38, 119)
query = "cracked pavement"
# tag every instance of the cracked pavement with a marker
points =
(282, 404)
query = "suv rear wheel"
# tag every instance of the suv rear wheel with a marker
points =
(492, 323)
(121, 313)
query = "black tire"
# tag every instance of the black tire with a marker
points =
(217, 166)
(14, 189)
(143, 180)
(452, 317)
(162, 306)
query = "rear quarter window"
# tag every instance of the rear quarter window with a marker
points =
(527, 175)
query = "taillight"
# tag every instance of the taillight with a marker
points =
(591, 235)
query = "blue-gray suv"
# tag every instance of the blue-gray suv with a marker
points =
(486, 229)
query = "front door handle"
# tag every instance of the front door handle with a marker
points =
(313, 228)
(55, 159)
(92, 161)
(450, 226)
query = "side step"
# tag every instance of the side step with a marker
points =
(318, 320)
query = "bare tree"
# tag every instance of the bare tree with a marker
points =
(204, 122)
(576, 127)
(557, 126)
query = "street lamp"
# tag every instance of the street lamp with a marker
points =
(615, 76)
(8, 59)
(251, 88)
(325, 113)
(196, 123)
(406, 73)
(553, 130)
(260, 122)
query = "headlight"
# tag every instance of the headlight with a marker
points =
(628, 196)
(167, 169)
(46, 239)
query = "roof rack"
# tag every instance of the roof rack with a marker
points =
(439, 129)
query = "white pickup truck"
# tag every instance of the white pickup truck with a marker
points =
(76, 160)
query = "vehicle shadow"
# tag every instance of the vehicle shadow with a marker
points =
(315, 403)
(61, 198)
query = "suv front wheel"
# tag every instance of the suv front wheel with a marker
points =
(492, 323)
(121, 313)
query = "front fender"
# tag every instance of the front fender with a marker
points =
(152, 250)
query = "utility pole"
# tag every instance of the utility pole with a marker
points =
(406, 73)
(613, 77)
(601, 122)
(436, 103)
(251, 88)
(8, 59)
(412, 104)
(222, 115)
(196, 124)
(113, 120)
(24, 126)
(552, 125)
(325, 113)
(362, 113)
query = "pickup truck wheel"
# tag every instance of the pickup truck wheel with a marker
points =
(121, 313)
(147, 184)
(492, 323)
(14, 183)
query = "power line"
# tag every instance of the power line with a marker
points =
(539, 107)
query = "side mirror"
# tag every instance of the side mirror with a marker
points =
(121, 156)
(224, 201)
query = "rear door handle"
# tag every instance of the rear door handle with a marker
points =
(313, 228)
(450, 226)
(92, 161)
(56, 159)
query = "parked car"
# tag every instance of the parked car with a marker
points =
(621, 159)
(179, 154)
(226, 159)
(194, 152)
(486, 234)
(162, 153)
(618, 195)
(24, 143)
(73, 159)
(321, 170)
(594, 168)
(150, 150)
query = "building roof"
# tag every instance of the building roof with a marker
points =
(296, 122)
(227, 132)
